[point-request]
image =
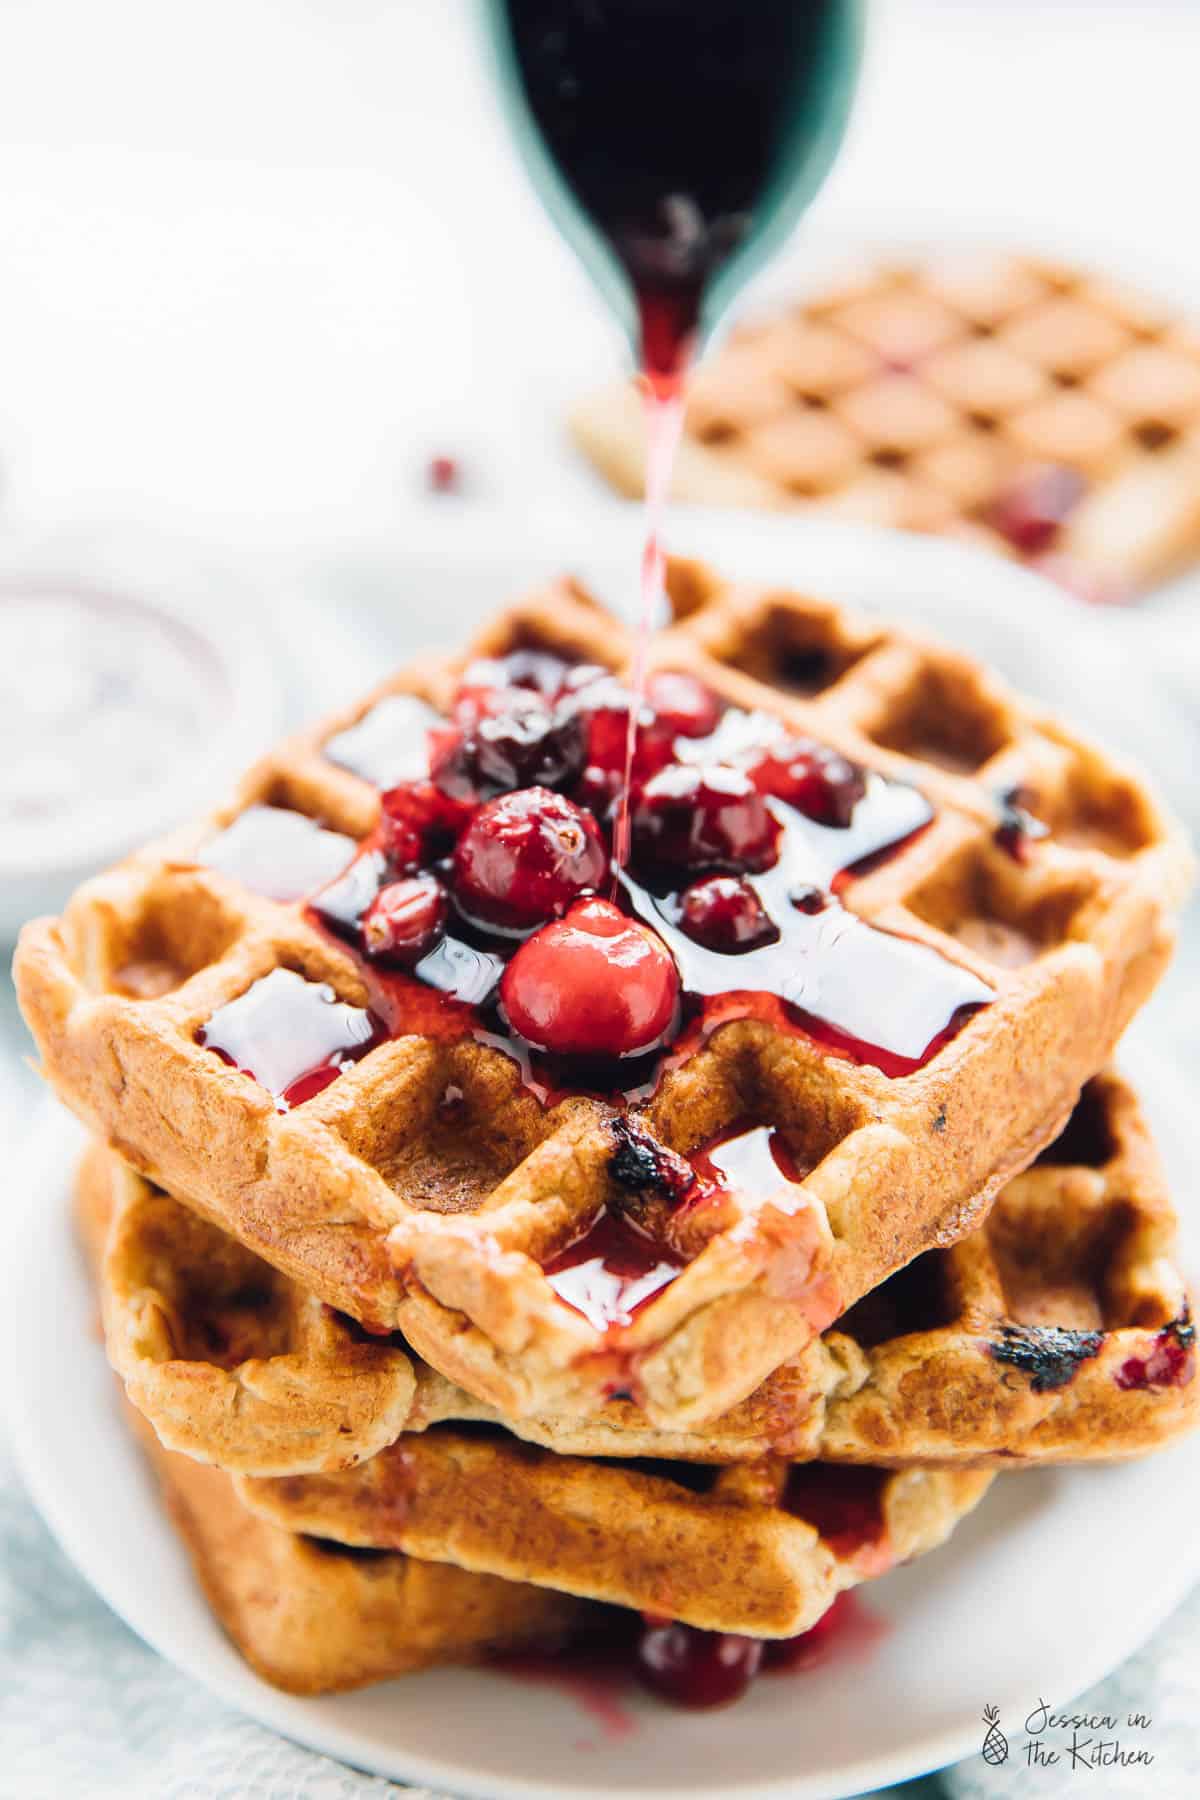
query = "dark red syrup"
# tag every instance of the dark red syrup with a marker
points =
(278, 853)
(611, 1271)
(1170, 1362)
(685, 1666)
(290, 1035)
(668, 119)
(753, 1159)
(749, 928)
(819, 972)
(844, 1504)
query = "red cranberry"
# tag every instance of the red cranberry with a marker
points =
(405, 920)
(443, 474)
(591, 984)
(1030, 513)
(817, 781)
(808, 899)
(525, 857)
(696, 1668)
(526, 745)
(415, 815)
(682, 706)
(704, 818)
(724, 913)
(603, 706)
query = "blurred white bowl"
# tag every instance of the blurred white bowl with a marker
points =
(135, 682)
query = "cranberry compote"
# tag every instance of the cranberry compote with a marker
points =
(501, 917)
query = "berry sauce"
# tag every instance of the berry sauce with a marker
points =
(776, 943)
(753, 1159)
(1171, 1361)
(473, 909)
(685, 1666)
(290, 1035)
(611, 1271)
(672, 197)
(277, 853)
(844, 1505)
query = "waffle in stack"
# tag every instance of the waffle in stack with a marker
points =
(1045, 411)
(711, 1332)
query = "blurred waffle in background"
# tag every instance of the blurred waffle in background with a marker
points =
(1045, 412)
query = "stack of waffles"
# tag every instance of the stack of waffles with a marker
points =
(490, 1263)
(1044, 411)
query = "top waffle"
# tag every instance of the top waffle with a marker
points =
(1042, 410)
(943, 1013)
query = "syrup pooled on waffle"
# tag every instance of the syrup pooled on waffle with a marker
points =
(1045, 411)
(873, 902)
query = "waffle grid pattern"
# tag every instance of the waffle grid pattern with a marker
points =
(1014, 1344)
(927, 393)
(405, 1216)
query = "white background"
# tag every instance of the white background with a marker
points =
(258, 258)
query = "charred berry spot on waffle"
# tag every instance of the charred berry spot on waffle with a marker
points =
(1017, 829)
(639, 1162)
(1171, 1361)
(1049, 1354)
(290, 1035)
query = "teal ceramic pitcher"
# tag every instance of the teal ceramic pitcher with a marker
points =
(675, 143)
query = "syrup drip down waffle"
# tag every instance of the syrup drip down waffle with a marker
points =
(1046, 412)
(972, 903)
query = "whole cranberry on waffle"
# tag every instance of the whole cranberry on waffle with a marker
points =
(524, 857)
(593, 984)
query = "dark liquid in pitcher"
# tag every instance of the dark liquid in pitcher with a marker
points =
(668, 118)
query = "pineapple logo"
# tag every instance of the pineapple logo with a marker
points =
(995, 1744)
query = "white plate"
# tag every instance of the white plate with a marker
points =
(1049, 1585)
(1053, 1581)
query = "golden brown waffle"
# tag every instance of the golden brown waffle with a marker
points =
(232, 1362)
(317, 1617)
(1059, 1331)
(938, 394)
(761, 1549)
(425, 1188)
